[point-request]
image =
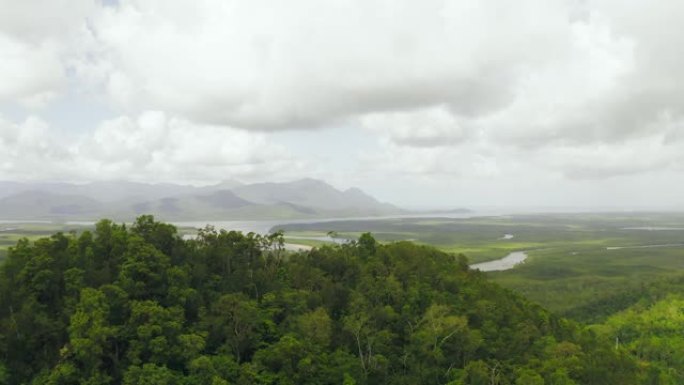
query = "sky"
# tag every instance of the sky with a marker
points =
(459, 103)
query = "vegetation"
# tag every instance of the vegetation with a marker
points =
(591, 285)
(652, 333)
(142, 305)
(10, 232)
(570, 269)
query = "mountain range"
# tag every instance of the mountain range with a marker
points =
(230, 200)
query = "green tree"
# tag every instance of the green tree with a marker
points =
(233, 322)
(90, 335)
(316, 327)
(144, 271)
(154, 334)
(150, 374)
(528, 377)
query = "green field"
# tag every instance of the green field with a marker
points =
(569, 267)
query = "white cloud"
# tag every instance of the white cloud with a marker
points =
(427, 127)
(472, 88)
(28, 148)
(433, 162)
(271, 64)
(35, 40)
(152, 147)
(38, 20)
(174, 148)
(598, 161)
(600, 108)
(29, 75)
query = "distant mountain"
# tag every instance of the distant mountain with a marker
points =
(11, 188)
(45, 205)
(228, 184)
(317, 195)
(112, 191)
(214, 205)
(229, 200)
(101, 191)
(223, 199)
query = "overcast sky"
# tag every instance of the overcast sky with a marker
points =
(420, 103)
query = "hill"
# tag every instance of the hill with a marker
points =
(43, 204)
(109, 191)
(138, 304)
(315, 194)
(228, 200)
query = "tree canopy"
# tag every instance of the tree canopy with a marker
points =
(140, 305)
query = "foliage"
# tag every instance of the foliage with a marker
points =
(582, 266)
(141, 305)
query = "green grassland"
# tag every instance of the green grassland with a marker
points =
(569, 267)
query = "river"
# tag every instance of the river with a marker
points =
(506, 263)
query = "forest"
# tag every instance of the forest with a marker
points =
(139, 304)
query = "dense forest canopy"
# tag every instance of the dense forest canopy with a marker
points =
(140, 305)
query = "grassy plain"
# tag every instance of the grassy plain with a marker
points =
(573, 260)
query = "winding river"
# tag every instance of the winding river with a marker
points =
(505, 263)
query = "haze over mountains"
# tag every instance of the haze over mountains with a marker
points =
(305, 198)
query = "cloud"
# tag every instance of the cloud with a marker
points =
(432, 162)
(474, 88)
(28, 148)
(35, 41)
(426, 127)
(30, 75)
(304, 64)
(599, 161)
(151, 147)
(608, 104)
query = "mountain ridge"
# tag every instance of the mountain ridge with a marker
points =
(230, 199)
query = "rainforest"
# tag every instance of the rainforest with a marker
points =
(139, 304)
